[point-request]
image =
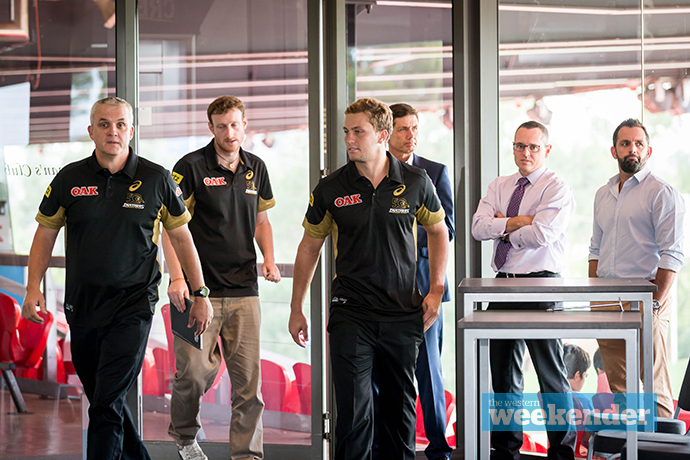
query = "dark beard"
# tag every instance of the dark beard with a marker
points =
(630, 165)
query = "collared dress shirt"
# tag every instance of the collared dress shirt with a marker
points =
(536, 247)
(638, 229)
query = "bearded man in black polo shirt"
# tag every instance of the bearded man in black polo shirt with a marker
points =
(110, 205)
(371, 207)
(228, 192)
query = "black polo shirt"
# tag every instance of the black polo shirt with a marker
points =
(111, 229)
(224, 208)
(374, 236)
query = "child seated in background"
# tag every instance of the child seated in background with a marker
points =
(603, 381)
(577, 361)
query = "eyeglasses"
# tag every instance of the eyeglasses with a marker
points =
(520, 147)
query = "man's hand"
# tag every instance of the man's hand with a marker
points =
(34, 298)
(432, 308)
(299, 329)
(270, 272)
(177, 292)
(202, 313)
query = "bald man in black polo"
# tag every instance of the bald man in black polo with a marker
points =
(111, 204)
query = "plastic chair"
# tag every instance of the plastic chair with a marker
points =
(420, 432)
(10, 314)
(303, 385)
(530, 445)
(29, 344)
(149, 374)
(668, 435)
(276, 388)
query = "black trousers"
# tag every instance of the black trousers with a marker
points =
(108, 360)
(356, 348)
(506, 357)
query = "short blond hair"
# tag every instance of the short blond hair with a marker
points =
(378, 113)
(115, 102)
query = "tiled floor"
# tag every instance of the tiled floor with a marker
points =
(53, 428)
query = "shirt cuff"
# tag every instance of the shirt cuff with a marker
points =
(498, 226)
(668, 262)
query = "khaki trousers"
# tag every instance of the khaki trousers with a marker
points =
(237, 321)
(613, 356)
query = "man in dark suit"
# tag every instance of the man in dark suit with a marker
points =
(402, 144)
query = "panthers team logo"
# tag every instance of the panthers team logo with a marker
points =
(251, 187)
(134, 201)
(399, 205)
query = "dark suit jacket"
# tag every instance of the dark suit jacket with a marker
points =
(439, 176)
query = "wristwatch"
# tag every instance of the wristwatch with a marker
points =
(655, 305)
(203, 291)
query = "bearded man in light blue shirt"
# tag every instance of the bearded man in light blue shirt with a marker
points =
(638, 233)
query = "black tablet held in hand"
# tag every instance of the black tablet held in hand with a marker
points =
(179, 322)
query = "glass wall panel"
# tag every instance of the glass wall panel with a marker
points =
(56, 59)
(191, 53)
(402, 52)
(666, 116)
(581, 67)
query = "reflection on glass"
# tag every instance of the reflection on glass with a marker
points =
(49, 77)
(191, 53)
(402, 52)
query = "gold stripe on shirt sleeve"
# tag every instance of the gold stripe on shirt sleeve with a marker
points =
(190, 202)
(266, 204)
(427, 218)
(171, 222)
(320, 230)
(55, 221)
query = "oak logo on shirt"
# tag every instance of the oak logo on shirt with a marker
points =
(90, 190)
(348, 200)
(134, 201)
(399, 206)
(177, 177)
(214, 181)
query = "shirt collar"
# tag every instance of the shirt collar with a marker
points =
(533, 177)
(212, 158)
(394, 170)
(639, 176)
(130, 165)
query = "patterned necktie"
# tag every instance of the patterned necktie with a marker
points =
(513, 208)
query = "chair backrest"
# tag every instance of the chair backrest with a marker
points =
(684, 395)
(276, 386)
(303, 384)
(10, 314)
(165, 311)
(30, 342)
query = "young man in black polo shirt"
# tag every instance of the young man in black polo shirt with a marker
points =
(228, 192)
(371, 207)
(110, 204)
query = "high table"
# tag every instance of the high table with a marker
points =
(476, 328)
